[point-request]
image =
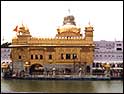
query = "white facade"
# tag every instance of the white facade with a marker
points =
(5, 55)
(108, 51)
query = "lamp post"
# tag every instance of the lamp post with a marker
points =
(74, 66)
(80, 72)
(4, 67)
(84, 68)
(27, 64)
(75, 57)
(12, 66)
(53, 71)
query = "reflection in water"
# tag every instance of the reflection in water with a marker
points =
(61, 86)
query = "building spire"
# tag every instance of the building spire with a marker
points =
(69, 11)
(3, 39)
(89, 23)
(22, 24)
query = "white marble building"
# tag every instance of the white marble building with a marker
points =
(108, 51)
(5, 55)
(111, 53)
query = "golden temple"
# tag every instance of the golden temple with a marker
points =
(69, 51)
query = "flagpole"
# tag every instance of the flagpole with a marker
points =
(3, 39)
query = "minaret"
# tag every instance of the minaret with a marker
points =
(89, 32)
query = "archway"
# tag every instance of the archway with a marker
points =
(88, 69)
(68, 71)
(36, 69)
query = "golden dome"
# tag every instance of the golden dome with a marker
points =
(69, 20)
(68, 28)
(69, 25)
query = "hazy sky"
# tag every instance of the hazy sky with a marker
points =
(43, 17)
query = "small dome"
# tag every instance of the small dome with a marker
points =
(69, 19)
(69, 28)
(68, 25)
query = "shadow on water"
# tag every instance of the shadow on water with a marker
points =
(60, 86)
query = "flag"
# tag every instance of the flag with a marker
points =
(16, 28)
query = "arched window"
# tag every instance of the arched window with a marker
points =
(41, 56)
(74, 56)
(93, 64)
(19, 56)
(50, 56)
(97, 65)
(36, 56)
(88, 69)
(62, 57)
(68, 56)
(31, 56)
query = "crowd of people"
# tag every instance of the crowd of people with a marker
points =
(115, 69)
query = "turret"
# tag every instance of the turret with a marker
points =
(23, 30)
(89, 32)
(23, 35)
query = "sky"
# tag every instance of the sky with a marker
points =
(43, 17)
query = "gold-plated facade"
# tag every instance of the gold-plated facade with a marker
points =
(69, 48)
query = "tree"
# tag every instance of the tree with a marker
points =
(5, 45)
